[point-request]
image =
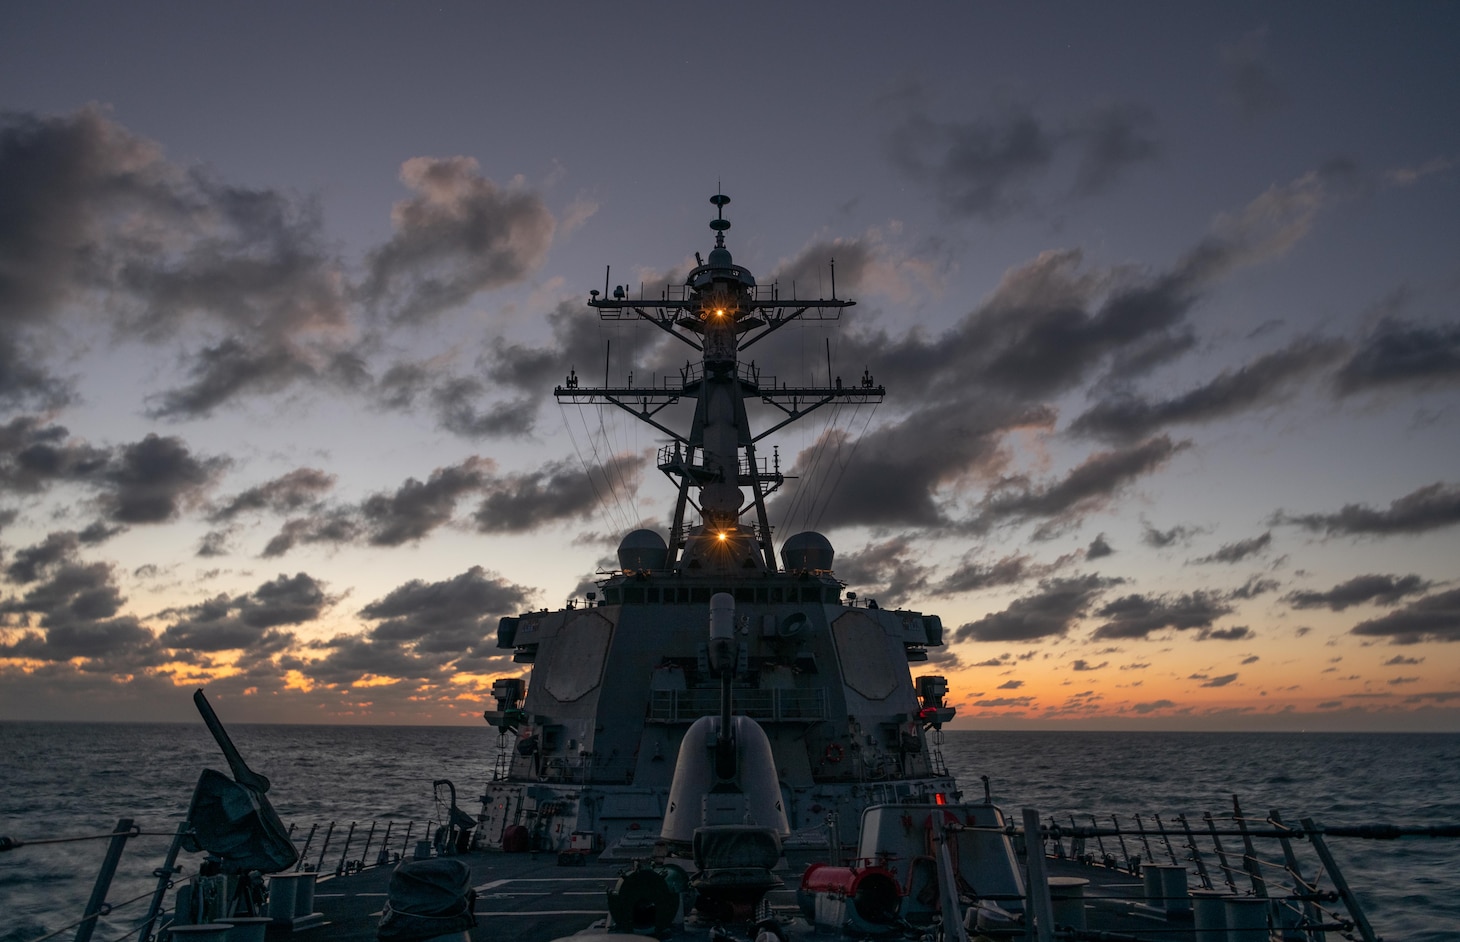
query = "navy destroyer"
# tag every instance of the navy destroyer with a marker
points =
(588, 742)
(719, 742)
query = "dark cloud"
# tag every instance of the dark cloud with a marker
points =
(75, 608)
(249, 620)
(121, 642)
(810, 270)
(33, 456)
(1255, 586)
(1047, 327)
(1251, 84)
(1143, 355)
(445, 617)
(225, 371)
(989, 167)
(1428, 508)
(890, 570)
(73, 591)
(335, 526)
(458, 409)
(1152, 706)
(1098, 548)
(460, 403)
(512, 504)
(417, 508)
(974, 576)
(149, 481)
(1433, 618)
(1005, 702)
(152, 480)
(985, 168)
(459, 234)
(1080, 664)
(1051, 611)
(24, 379)
(1221, 681)
(1399, 660)
(95, 213)
(1400, 353)
(1240, 550)
(520, 502)
(843, 480)
(424, 630)
(1160, 539)
(214, 543)
(1264, 382)
(1360, 590)
(1084, 489)
(1237, 633)
(299, 488)
(1138, 615)
(31, 562)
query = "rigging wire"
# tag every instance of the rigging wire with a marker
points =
(807, 496)
(602, 504)
(608, 467)
(612, 470)
(851, 455)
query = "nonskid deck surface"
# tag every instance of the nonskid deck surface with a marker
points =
(530, 898)
(527, 898)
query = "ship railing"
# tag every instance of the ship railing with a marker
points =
(1220, 870)
(107, 914)
(747, 373)
(679, 296)
(773, 705)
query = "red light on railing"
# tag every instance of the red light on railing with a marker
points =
(939, 798)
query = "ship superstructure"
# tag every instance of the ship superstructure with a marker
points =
(589, 743)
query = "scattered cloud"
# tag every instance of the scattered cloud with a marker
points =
(1265, 382)
(1398, 353)
(1432, 618)
(1360, 590)
(991, 166)
(1138, 615)
(1427, 508)
(1083, 490)
(1240, 550)
(1050, 612)
(1160, 539)
(458, 234)
(285, 494)
(250, 620)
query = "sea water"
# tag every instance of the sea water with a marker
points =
(65, 780)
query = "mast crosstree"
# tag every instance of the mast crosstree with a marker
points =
(719, 312)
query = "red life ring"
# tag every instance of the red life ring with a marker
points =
(834, 753)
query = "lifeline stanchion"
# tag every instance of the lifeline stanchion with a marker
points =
(96, 907)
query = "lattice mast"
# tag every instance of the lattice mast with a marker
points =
(719, 311)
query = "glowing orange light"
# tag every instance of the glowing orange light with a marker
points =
(939, 798)
(722, 536)
(719, 312)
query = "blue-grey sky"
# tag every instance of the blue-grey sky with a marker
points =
(1164, 297)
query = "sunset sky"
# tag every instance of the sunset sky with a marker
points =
(1164, 297)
